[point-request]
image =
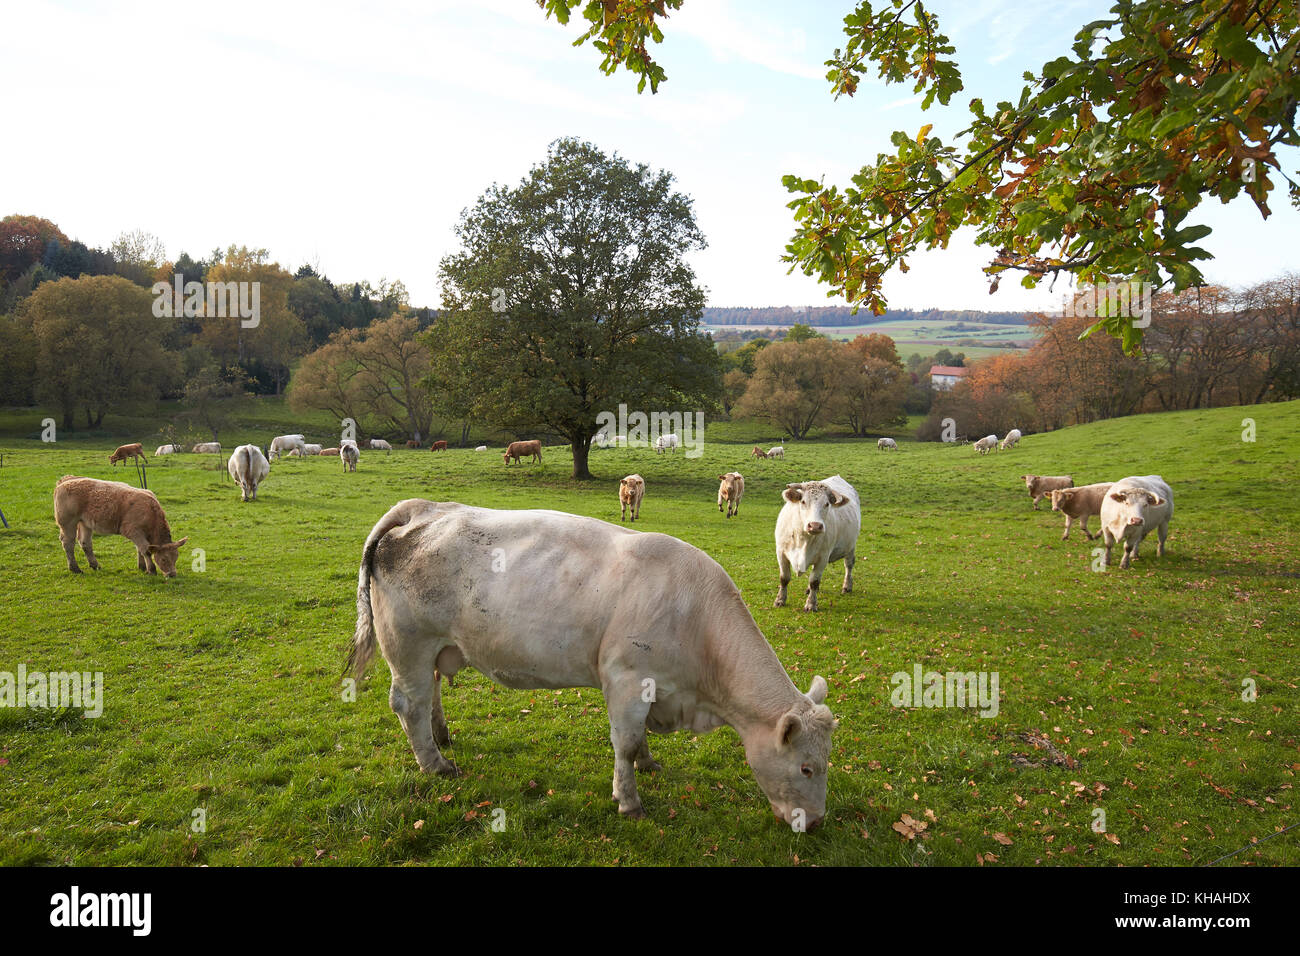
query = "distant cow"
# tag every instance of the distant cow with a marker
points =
(758, 452)
(776, 451)
(884, 444)
(1012, 439)
(439, 445)
(133, 451)
(630, 492)
(517, 450)
(249, 468)
(412, 443)
(208, 448)
(1082, 503)
(167, 450)
(481, 448)
(986, 444)
(84, 507)
(378, 444)
(666, 442)
(350, 456)
(731, 489)
(329, 452)
(284, 443)
(309, 449)
(1131, 510)
(818, 524)
(586, 604)
(1041, 486)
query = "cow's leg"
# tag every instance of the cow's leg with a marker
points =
(783, 567)
(1108, 540)
(814, 584)
(1035, 497)
(1086, 533)
(644, 762)
(1162, 532)
(627, 717)
(441, 732)
(849, 560)
(68, 538)
(85, 538)
(1069, 523)
(413, 702)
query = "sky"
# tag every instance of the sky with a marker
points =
(351, 136)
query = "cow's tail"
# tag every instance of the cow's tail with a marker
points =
(363, 641)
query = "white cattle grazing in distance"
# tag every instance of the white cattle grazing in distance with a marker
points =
(1132, 509)
(167, 450)
(282, 444)
(986, 444)
(350, 456)
(378, 444)
(776, 451)
(249, 468)
(884, 444)
(1012, 439)
(669, 442)
(481, 448)
(818, 524)
(309, 449)
(207, 448)
(630, 492)
(731, 489)
(677, 649)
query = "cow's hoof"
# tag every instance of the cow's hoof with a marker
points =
(74, 569)
(649, 766)
(633, 813)
(779, 602)
(94, 566)
(446, 769)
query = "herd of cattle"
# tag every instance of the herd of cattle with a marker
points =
(682, 629)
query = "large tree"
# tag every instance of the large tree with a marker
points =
(1092, 171)
(571, 294)
(798, 385)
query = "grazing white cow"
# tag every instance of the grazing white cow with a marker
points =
(207, 448)
(1131, 510)
(167, 450)
(378, 444)
(776, 451)
(282, 444)
(1011, 441)
(818, 524)
(310, 449)
(481, 448)
(350, 456)
(731, 488)
(678, 628)
(249, 468)
(986, 444)
(884, 444)
(669, 442)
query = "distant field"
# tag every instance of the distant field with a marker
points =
(223, 689)
(923, 336)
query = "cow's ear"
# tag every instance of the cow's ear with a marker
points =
(793, 493)
(788, 729)
(838, 499)
(817, 690)
(1155, 499)
(1117, 495)
(722, 477)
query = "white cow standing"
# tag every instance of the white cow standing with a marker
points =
(167, 450)
(669, 442)
(1011, 441)
(378, 444)
(986, 444)
(884, 444)
(678, 649)
(350, 456)
(249, 468)
(207, 448)
(818, 524)
(776, 451)
(284, 443)
(1131, 510)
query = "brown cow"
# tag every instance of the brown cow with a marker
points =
(126, 451)
(520, 449)
(84, 506)
(1082, 502)
(1041, 486)
(439, 445)
(329, 452)
(412, 443)
(731, 489)
(758, 452)
(630, 492)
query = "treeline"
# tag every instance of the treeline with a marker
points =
(838, 315)
(1204, 348)
(80, 331)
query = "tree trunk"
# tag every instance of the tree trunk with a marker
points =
(464, 434)
(581, 445)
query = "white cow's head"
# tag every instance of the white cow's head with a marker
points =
(1134, 504)
(790, 762)
(814, 500)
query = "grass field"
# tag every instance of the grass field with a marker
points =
(223, 700)
(927, 336)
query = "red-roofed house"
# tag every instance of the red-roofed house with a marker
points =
(944, 377)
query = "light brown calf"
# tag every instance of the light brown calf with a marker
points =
(758, 452)
(439, 445)
(329, 452)
(1082, 502)
(84, 507)
(126, 451)
(630, 492)
(1041, 486)
(520, 449)
(731, 490)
